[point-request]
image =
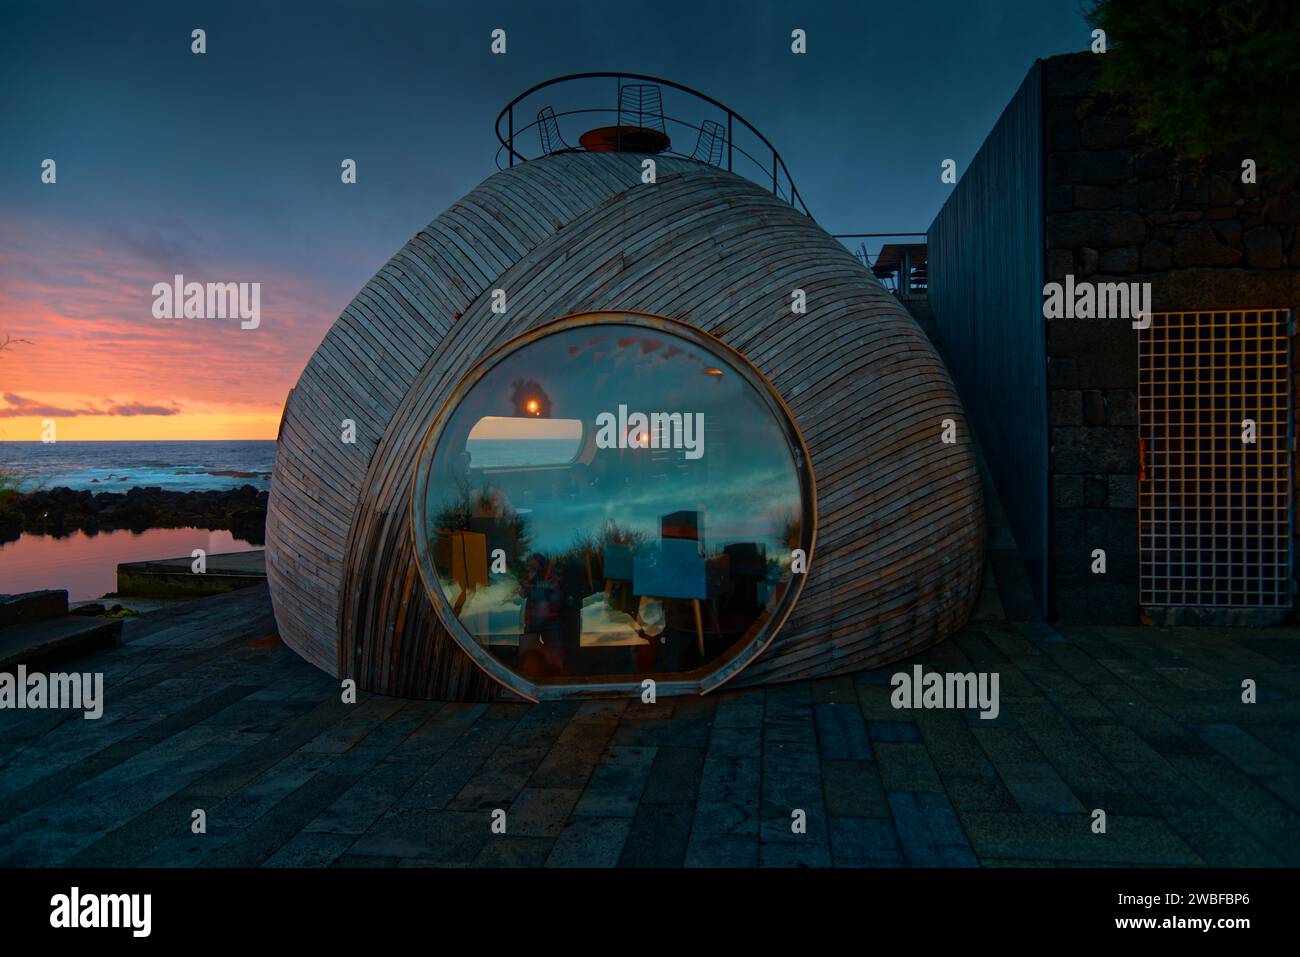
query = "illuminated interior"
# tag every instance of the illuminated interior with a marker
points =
(613, 500)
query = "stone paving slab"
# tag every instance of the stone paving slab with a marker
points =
(206, 710)
(51, 641)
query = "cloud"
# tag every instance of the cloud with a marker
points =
(21, 406)
(140, 408)
(18, 405)
(82, 297)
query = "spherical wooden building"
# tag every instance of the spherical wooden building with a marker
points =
(573, 435)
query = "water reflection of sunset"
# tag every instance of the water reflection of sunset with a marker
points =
(509, 427)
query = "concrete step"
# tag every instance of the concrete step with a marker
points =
(175, 578)
(43, 642)
(32, 606)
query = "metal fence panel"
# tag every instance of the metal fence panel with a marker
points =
(1215, 495)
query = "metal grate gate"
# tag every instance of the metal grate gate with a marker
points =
(1214, 510)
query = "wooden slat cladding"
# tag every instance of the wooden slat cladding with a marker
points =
(900, 536)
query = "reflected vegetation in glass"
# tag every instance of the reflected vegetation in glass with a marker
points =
(576, 528)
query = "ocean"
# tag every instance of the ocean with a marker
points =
(118, 466)
(86, 564)
(510, 453)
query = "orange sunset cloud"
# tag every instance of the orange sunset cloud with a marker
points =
(95, 360)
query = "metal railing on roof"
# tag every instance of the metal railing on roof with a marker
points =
(770, 170)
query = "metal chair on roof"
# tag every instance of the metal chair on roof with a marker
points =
(644, 102)
(708, 147)
(548, 129)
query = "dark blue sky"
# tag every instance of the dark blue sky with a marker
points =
(227, 164)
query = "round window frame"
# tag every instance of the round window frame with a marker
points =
(746, 649)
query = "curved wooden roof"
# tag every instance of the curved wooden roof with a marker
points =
(900, 536)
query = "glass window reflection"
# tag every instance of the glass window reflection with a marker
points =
(610, 501)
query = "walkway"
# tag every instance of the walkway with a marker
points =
(207, 709)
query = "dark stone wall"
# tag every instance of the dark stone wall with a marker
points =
(1118, 210)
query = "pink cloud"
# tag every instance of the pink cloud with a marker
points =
(84, 303)
(18, 405)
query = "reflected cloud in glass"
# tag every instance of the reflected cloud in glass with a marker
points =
(564, 558)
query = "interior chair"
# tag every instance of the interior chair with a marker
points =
(672, 569)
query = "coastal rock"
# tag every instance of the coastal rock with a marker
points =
(60, 511)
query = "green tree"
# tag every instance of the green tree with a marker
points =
(1203, 76)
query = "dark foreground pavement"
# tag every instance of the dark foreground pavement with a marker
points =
(206, 709)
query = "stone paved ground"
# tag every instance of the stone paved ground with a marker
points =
(206, 709)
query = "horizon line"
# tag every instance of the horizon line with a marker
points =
(85, 441)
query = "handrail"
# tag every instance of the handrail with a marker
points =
(670, 119)
(507, 139)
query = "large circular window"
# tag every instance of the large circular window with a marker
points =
(613, 497)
